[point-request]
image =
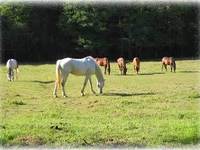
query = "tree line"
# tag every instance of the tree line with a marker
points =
(33, 33)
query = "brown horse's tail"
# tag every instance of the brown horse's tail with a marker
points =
(58, 75)
(138, 65)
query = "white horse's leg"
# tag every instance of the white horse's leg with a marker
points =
(12, 74)
(63, 85)
(91, 86)
(85, 82)
(55, 89)
(9, 75)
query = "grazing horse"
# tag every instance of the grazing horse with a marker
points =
(104, 62)
(82, 67)
(169, 61)
(11, 66)
(136, 64)
(122, 65)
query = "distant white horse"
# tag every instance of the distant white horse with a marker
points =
(11, 66)
(83, 67)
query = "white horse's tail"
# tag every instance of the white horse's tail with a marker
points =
(58, 75)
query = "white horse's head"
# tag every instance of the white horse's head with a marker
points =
(100, 85)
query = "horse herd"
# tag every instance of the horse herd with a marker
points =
(87, 67)
(136, 64)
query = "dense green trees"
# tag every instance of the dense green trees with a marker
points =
(45, 33)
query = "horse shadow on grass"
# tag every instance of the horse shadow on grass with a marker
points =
(142, 74)
(118, 74)
(41, 82)
(128, 94)
(192, 139)
(152, 73)
(189, 71)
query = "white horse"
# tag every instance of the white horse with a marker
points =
(11, 65)
(83, 67)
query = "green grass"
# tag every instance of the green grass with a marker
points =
(149, 110)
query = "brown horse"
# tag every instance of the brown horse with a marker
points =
(122, 65)
(136, 64)
(169, 61)
(104, 62)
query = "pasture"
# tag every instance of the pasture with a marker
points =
(151, 109)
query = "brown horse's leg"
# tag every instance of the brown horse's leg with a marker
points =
(171, 67)
(123, 70)
(105, 67)
(137, 69)
(109, 68)
(165, 67)
(174, 67)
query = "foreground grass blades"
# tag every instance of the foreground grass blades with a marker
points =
(151, 109)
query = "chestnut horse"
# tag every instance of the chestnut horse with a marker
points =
(169, 61)
(122, 65)
(136, 64)
(104, 62)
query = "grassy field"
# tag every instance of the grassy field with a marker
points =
(148, 110)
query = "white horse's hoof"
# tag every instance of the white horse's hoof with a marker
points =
(55, 96)
(82, 94)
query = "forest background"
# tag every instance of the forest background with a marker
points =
(38, 33)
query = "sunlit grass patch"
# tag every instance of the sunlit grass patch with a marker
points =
(151, 109)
